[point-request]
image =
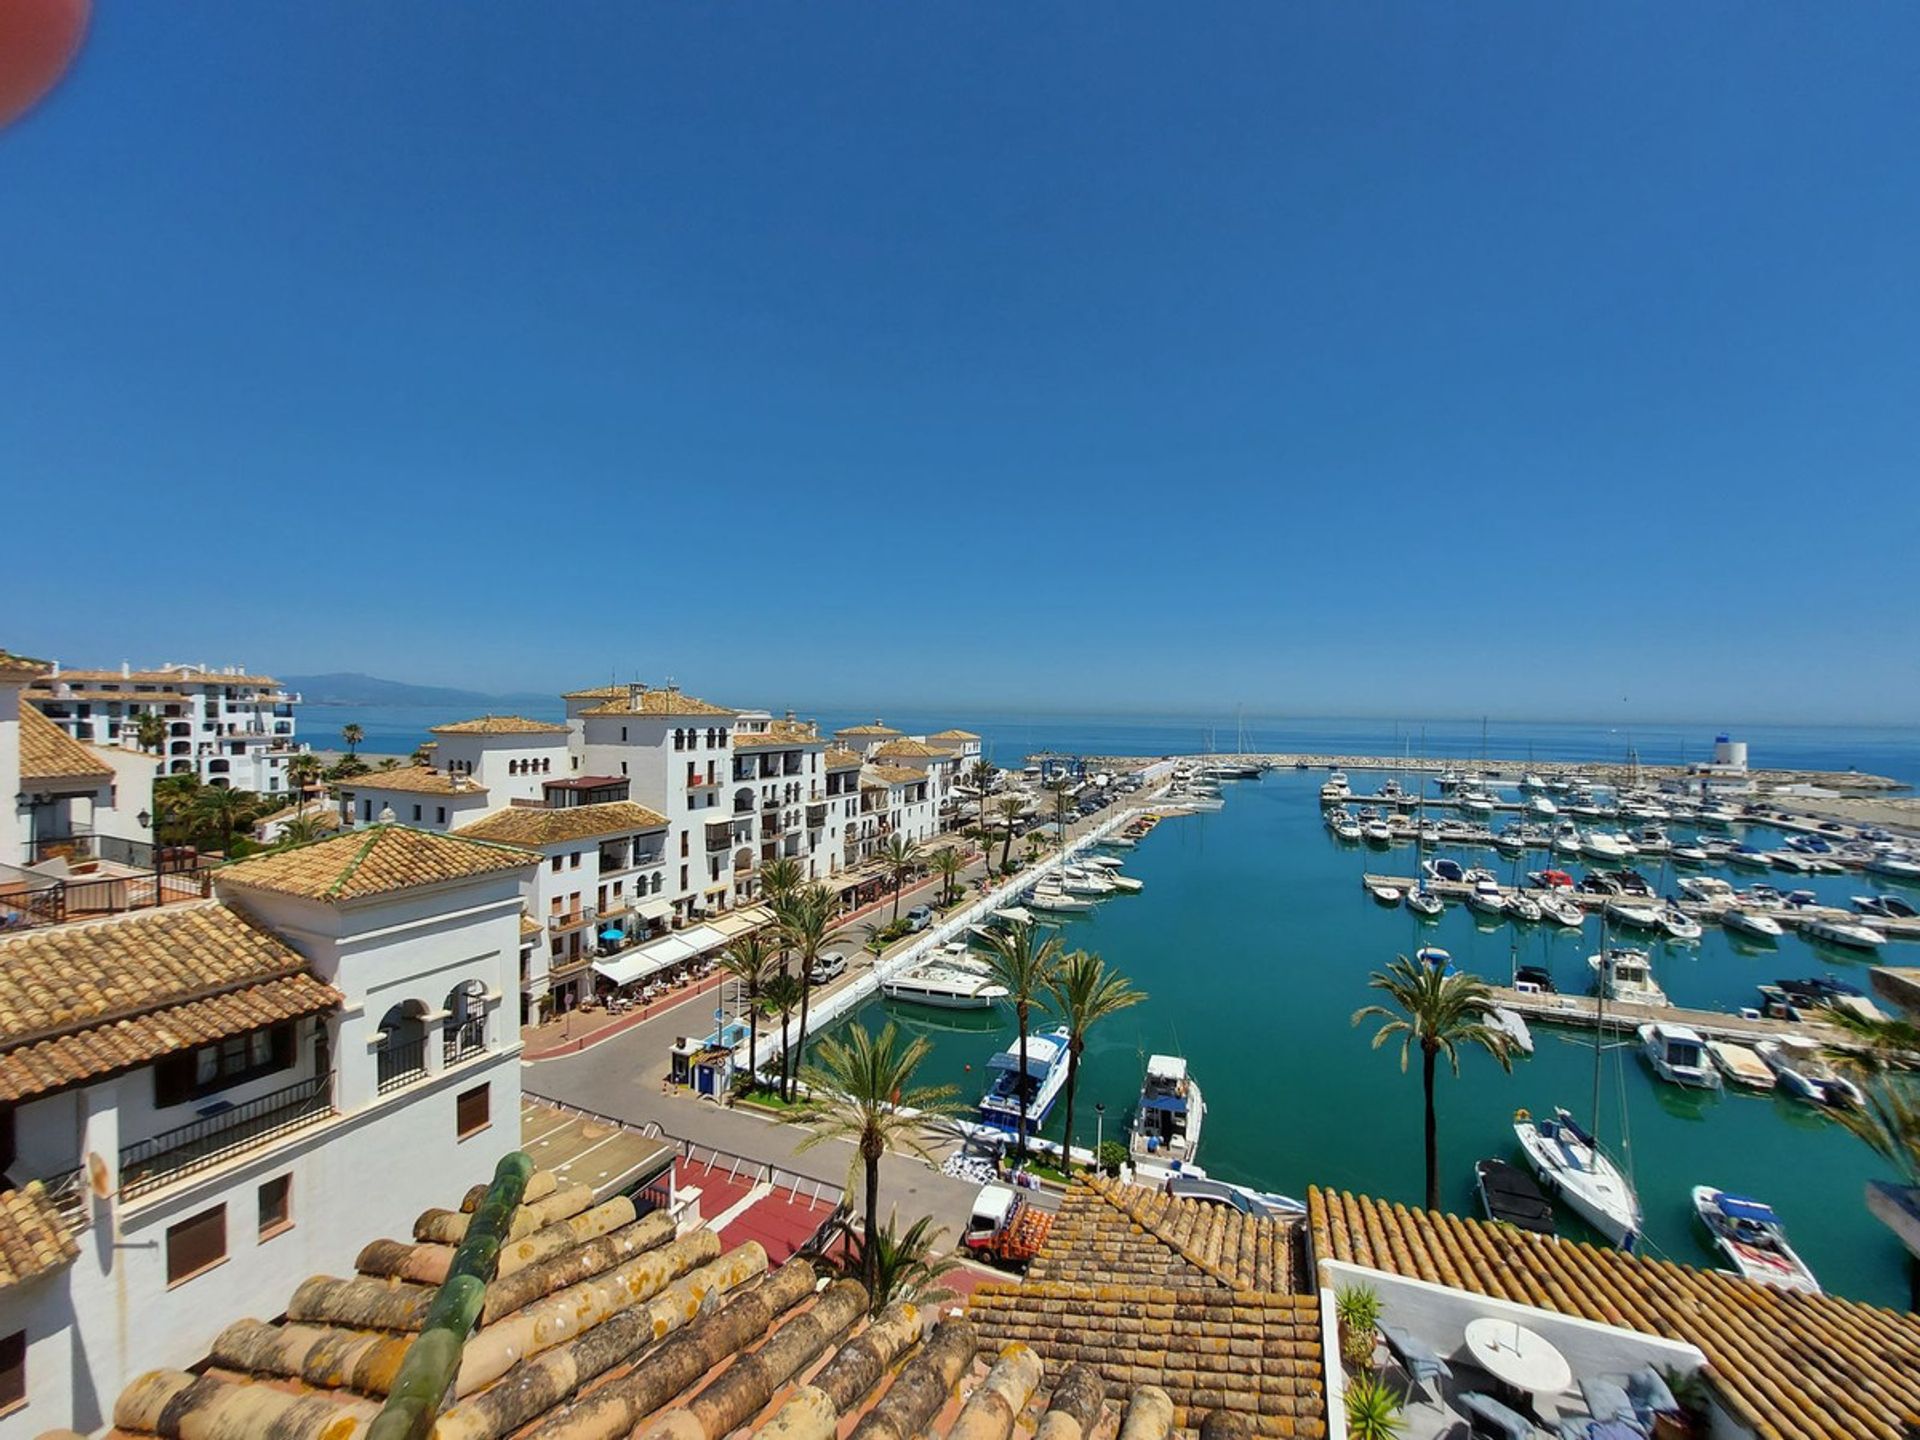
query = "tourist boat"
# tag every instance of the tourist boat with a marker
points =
(1751, 922)
(1741, 1064)
(1751, 1236)
(1639, 917)
(1513, 1025)
(1523, 907)
(1166, 1122)
(1381, 890)
(1678, 1056)
(1845, 933)
(1486, 898)
(1748, 857)
(1571, 1166)
(1800, 1070)
(1051, 898)
(1434, 958)
(1624, 974)
(1550, 879)
(1336, 790)
(1509, 1196)
(1898, 866)
(1046, 1074)
(1562, 911)
(1423, 902)
(1707, 889)
(945, 982)
(1678, 924)
(1885, 907)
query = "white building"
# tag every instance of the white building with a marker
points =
(894, 800)
(778, 799)
(225, 726)
(201, 1100)
(77, 802)
(512, 756)
(863, 740)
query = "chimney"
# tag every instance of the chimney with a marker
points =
(126, 669)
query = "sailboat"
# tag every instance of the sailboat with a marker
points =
(1570, 1162)
(1422, 901)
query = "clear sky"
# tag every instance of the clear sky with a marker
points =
(1398, 359)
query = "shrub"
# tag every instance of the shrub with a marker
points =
(1373, 1410)
(1113, 1154)
(1357, 1308)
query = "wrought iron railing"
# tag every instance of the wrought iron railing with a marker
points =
(468, 1038)
(211, 1139)
(400, 1065)
(70, 1196)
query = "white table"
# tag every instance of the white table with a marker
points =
(1514, 1355)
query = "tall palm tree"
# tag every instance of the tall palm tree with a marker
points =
(947, 863)
(749, 958)
(353, 735)
(302, 770)
(223, 810)
(1009, 810)
(981, 776)
(1085, 992)
(781, 876)
(779, 994)
(1889, 1122)
(1439, 1013)
(857, 1089)
(151, 731)
(805, 917)
(1062, 792)
(1026, 969)
(899, 856)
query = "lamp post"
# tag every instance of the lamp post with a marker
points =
(1099, 1130)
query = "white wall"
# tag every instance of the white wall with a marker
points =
(13, 832)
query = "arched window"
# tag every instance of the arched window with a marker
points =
(402, 1056)
(465, 1030)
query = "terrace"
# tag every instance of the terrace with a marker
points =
(65, 888)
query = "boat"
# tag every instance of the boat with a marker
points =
(1381, 890)
(1601, 846)
(1434, 958)
(1678, 1055)
(1486, 898)
(1845, 933)
(1792, 862)
(1824, 992)
(1336, 790)
(1572, 1167)
(1748, 857)
(1652, 840)
(945, 982)
(1752, 922)
(1624, 974)
(1540, 805)
(1523, 907)
(1423, 902)
(1509, 1196)
(1688, 855)
(1639, 917)
(1377, 832)
(1343, 825)
(1803, 1072)
(1036, 1090)
(1510, 841)
(1534, 980)
(1550, 879)
(1444, 870)
(1562, 911)
(1678, 924)
(1054, 900)
(1885, 907)
(1531, 781)
(1740, 1064)
(1751, 1236)
(1896, 867)
(1166, 1122)
(1717, 815)
(1083, 882)
(1707, 889)
(1513, 1025)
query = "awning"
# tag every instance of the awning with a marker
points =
(741, 921)
(625, 969)
(1171, 1104)
(654, 909)
(663, 954)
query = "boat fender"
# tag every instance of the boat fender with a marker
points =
(1521, 1114)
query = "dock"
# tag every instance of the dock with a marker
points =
(1583, 1012)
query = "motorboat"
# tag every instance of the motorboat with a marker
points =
(1543, 807)
(1707, 889)
(1381, 890)
(1885, 907)
(1718, 815)
(1343, 825)
(1474, 802)
(1761, 897)
(1562, 911)
(1051, 898)
(1752, 1237)
(1792, 862)
(1035, 1090)
(1442, 869)
(1336, 790)
(1521, 906)
(1531, 781)
(945, 982)
(1572, 1167)
(1639, 917)
(1512, 1024)
(1377, 832)
(1652, 840)
(1895, 866)
(1749, 857)
(1624, 974)
(1678, 924)
(1678, 1056)
(1166, 1122)
(1844, 933)
(1752, 922)
(1600, 845)
(1423, 902)
(1485, 897)
(1534, 980)
(1434, 958)
(1550, 880)
(1566, 839)
(1688, 855)
(1803, 1072)
(1825, 992)
(1595, 883)
(1510, 841)
(1740, 1064)
(1510, 1196)
(1084, 882)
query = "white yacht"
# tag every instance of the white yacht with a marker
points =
(1680, 925)
(1344, 826)
(1571, 1165)
(1751, 1236)
(1845, 933)
(1377, 832)
(1048, 896)
(1603, 846)
(1424, 902)
(1513, 1025)
(1561, 910)
(1627, 975)
(1337, 789)
(945, 982)
(1523, 907)
(1166, 1122)
(1898, 866)
(1752, 922)
(1486, 898)
(1084, 882)
(1707, 889)
(1639, 917)
(1543, 807)
(1678, 1056)
(1045, 1077)
(1381, 889)
(1741, 1064)
(1801, 1070)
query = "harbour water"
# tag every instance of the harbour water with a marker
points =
(1254, 940)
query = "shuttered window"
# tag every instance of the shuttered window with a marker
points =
(196, 1244)
(276, 1206)
(473, 1110)
(13, 1370)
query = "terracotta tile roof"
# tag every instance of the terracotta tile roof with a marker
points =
(1787, 1366)
(524, 826)
(657, 702)
(954, 735)
(34, 1237)
(530, 928)
(876, 728)
(414, 780)
(48, 753)
(780, 734)
(597, 692)
(499, 725)
(21, 667)
(42, 693)
(895, 774)
(909, 750)
(178, 674)
(373, 861)
(1192, 1298)
(79, 1001)
(840, 758)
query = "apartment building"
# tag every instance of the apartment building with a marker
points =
(778, 799)
(225, 726)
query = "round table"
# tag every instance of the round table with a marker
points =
(1515, 1356)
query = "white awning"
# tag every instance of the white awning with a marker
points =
(700, 938)
(625, 969)
(663, 954)
(654, 909)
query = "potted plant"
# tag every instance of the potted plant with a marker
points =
(1373, 1410)
(1357, 1308)
(1693, 1418)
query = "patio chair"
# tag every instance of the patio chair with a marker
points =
(1420, 1361)
(1607, 1399)
(1487, 1416)
(1648, 1391)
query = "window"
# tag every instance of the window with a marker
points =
(196, 1244)
(472, 1110)
(556, 864)
(573, 861)
(440, 814)
(276, 1206)
(188, 1074)
(416, 814)
(13, 1370)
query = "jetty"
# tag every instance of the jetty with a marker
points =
(1584, 1012)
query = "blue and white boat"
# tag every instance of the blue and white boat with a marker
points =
(1045, 1077)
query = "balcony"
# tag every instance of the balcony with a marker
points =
(698, 783)
(401, 1065)
(816, 814)
(771, 823)
(206, 1142)
(719, 837)
(571, 920)
(468, 1038)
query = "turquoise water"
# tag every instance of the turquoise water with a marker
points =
(1254, 941)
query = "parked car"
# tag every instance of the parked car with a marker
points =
(919, 918)
(830, 966)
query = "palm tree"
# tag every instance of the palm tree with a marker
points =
(224, 810)
(778, 995)
(781, 876)
(1026, 970)
(947, 864)
(981, 776)
(151, 731)
(301, 830)
(1062, 791)
(901, 1266)
(749, 958)
(1009, 809)
(805, 917)
(353, 735)
(1889, 1122)
(302, 770)
(173, 803)
(858, 1090)
(1439, 1013)
(899, 856)
(1084, 993)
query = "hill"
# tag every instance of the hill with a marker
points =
(351, 688)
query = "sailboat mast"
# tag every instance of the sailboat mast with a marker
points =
(1600, 1022)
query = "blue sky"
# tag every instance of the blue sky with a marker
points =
(1340, 358)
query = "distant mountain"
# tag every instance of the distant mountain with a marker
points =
(355, 689)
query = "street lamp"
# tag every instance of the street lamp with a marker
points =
(1099, 1130)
